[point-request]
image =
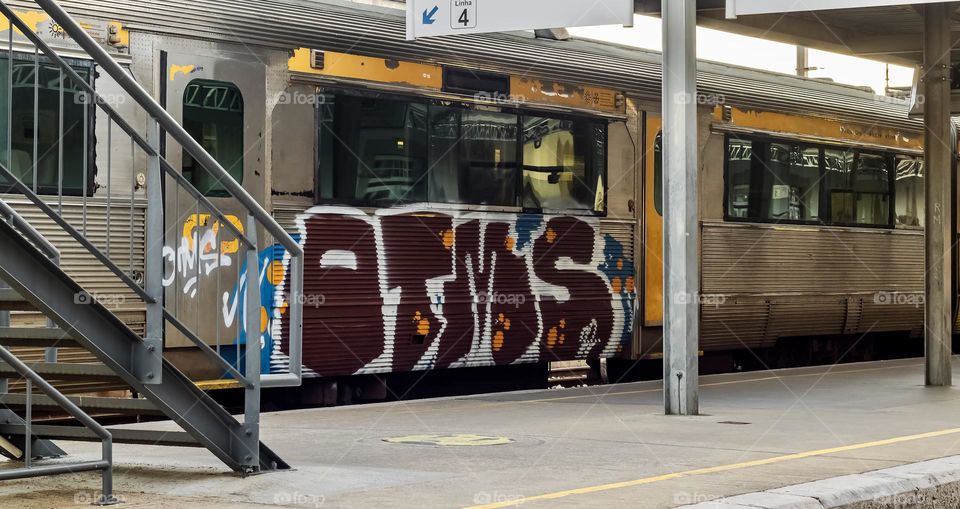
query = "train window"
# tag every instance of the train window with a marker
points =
(658, 174)
(838, 171)
(213, 115)
(858, 186)
(872, 186)
(739, 177)
(21, 144)
(909, 191)
(378, 149)
(791, 183)
(783, 181)
(474, 155)
(563, 164)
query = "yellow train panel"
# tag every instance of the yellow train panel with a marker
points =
(815, 127)
(652, 231)
(380, 70)
(563, 94)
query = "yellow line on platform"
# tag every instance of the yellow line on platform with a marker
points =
(716, 469)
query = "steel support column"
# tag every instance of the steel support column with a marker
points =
(939, 187)
(681, 261)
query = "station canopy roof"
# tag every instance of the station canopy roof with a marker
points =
(890, 34)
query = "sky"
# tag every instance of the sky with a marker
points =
(752, 52)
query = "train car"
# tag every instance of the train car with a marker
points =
(488, 200)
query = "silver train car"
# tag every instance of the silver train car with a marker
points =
(486, 200)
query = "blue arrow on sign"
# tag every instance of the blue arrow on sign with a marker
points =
(428, 16)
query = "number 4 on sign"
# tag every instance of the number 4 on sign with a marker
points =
(463, 14)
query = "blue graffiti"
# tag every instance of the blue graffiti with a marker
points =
(618, 267)
(272, 305)
(527, 225)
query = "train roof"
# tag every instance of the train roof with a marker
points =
(363, 29)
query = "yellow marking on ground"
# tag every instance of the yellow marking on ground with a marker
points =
(720, 468)
(216, 385)
(461, 440)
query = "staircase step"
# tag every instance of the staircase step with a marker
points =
(64, 371)
(120, 435)
(91, 404)
(10, 300)
(36, 337)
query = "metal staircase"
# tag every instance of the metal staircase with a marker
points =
(117, 353)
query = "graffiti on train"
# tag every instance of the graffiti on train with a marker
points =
(196, 255)
(412, 289)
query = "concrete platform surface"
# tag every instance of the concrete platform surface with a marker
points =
(605, 446)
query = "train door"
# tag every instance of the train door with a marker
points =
(220, 99)
(653, 223)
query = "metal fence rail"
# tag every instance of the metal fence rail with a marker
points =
(104, 465)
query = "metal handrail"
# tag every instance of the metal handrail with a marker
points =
(168, 123)
(195, 150)
(124, 126)
(105, 465)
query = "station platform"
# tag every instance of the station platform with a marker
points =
(608, 446)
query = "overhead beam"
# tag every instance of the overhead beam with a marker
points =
(894, 44)
(813, 35)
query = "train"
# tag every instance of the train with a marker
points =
(485, 201)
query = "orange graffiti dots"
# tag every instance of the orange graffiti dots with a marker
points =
(284, 308)
(448, 238)
(563, 337)
(263, 319)
(552, 337)
(423, 325)
(498, 339)
(551, 235)
(276, 273)
(630, 284)
(510, 243)
(563, 323)
(500, 336)
(616, 284)
(620, 264)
